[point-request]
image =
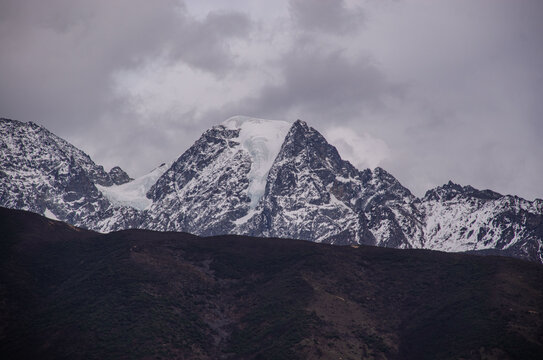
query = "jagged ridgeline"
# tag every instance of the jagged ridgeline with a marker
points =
(261, 178)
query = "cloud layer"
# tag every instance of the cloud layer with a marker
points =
(430, 91)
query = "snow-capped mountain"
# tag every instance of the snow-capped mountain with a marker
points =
(460, 218)
(218, 180)
(43, 173)
(263, 178)
(313, 194)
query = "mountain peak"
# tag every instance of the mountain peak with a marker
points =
(301, 123)
(452, 190)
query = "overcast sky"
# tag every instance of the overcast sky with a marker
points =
(430, 90)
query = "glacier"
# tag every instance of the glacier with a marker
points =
(134, 193)
(262, 140)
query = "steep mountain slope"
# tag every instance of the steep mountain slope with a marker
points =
(71, 293)
(45, 174)
(263, 178)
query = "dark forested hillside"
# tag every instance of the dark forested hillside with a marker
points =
(72, 293)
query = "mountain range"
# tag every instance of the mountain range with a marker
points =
(262, 178)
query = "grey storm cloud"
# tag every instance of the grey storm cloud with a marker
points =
(448, 89)
(201, 43)
(323, 83)
(58, 55)
(325, 15)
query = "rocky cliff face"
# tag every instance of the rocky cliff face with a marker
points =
(262, 178)
(119, 176)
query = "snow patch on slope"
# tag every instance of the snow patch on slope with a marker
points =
(134, 193)
(49, 214)
(262, 140)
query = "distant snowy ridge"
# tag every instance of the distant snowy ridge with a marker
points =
(264, 178)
